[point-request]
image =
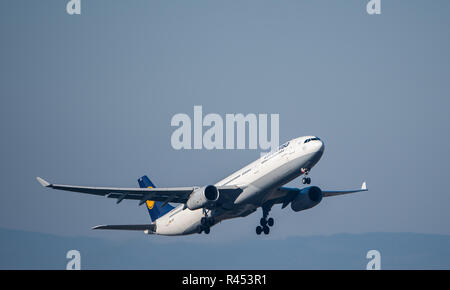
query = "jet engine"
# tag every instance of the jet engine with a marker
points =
(307, 198)
(206, 196)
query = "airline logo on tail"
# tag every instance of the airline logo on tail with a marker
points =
(150, 204)
(154, 208)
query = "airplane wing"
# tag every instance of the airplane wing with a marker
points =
(168, 194)
(334, 193)
(287, 194)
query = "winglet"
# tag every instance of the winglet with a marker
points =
(43, 182)
(364, 186)
(99, 227)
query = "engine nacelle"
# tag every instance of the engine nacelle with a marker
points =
(307, 198)
(202, 197)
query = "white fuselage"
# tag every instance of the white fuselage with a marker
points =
(260, 180)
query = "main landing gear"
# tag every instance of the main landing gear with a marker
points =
(206, 223)
(264, 222)
(306, 179)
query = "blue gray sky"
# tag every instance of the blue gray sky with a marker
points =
(88, 100)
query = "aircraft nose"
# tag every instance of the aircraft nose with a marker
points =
(319, 146)
(322, 146)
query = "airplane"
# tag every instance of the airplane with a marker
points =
(257, 185)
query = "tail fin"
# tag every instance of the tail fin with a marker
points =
(154, 207)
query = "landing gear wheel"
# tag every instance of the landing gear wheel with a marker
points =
(263, 222)
(306, 180)
(207, 230)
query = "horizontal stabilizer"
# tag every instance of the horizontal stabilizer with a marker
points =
(148, 227)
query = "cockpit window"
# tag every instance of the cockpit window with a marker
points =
(284, 145)
(311, 139)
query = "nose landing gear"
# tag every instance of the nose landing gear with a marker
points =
(306, 179)
(264, 222)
